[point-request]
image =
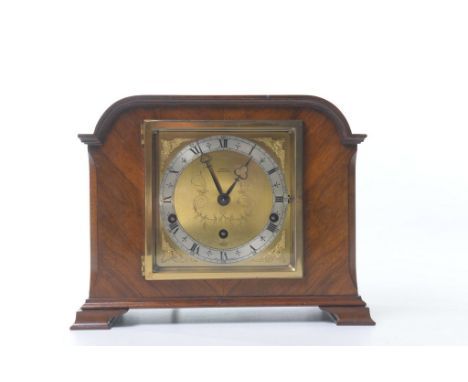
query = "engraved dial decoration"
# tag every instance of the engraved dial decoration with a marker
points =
(223, 199)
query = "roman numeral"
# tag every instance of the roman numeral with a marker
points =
(174, 171)
(272, 227)
(173, 227)
(223, 142)
(272, 170)
(195, 149)
(279, 199)
(195, 248)
(252, 149)
(224, 257)
(167, 199)
(253, 249)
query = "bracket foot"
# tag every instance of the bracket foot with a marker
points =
(97, 318)
(349, 315)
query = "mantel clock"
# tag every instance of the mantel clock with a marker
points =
(222, 201)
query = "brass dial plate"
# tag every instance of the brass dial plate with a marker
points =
(189, 233)
(223, 199)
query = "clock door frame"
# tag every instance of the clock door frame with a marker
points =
(116, 160)
(151, 129)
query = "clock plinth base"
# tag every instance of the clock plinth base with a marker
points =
(97, 318)
(349, 315)
(103, 313)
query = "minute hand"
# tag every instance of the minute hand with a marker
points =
(241, 174)
(207, 161)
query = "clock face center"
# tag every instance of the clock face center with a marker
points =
(224, 199)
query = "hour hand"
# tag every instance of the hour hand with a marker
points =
(241, 173)
(206, 160)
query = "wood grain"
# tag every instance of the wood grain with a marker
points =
(117, 208)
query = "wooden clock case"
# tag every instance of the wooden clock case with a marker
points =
(116, 159)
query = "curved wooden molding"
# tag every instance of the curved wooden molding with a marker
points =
(107, 120)
(90, 139)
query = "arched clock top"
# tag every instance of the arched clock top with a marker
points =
(107, 120)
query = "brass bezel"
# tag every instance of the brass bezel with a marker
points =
(149, 131)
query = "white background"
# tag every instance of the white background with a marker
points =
(398, 72)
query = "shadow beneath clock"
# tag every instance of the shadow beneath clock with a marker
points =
(222, 315)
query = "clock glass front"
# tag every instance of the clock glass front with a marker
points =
(223, 199)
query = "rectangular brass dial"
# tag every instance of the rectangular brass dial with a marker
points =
(223, 199)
